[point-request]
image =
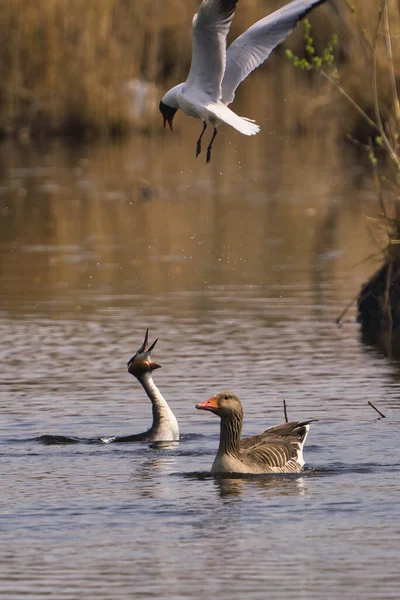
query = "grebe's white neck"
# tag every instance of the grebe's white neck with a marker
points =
(165, 426)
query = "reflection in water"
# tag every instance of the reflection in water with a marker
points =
(273, 485)
(164, 445)
(49, 440)
(240, 269)
(76, 228)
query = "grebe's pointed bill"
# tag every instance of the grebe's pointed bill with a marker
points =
(152, 346)
(168, 113)
(144, 349)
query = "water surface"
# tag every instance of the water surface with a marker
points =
(241, 270)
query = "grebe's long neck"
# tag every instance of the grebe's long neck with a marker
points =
(165, 426)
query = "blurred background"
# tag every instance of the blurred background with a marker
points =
(100, 66)
(86, 163)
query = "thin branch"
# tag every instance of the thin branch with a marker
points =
(388, 146)
(285, 411)
(382, 247)
(376, 177)
(376, 256)
(391, 65)
(377, 410)
(387, 306)
(393, 186)
(357, 142)
(339, 319)
(350, 100)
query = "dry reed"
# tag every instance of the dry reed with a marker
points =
(74, 66)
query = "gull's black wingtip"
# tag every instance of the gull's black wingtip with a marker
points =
(227, 7)
(310, 8)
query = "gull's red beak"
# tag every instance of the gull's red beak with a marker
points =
(210, 404)
(169, 121)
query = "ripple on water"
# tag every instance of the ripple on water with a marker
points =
(241, 277)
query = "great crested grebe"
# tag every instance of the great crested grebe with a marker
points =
(165, 426)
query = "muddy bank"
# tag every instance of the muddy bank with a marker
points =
(379, 309)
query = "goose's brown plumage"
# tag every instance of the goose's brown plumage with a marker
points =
(278, 449)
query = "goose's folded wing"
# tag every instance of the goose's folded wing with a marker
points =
(275, 454)
(295, 430)
(210, 28)
(254, 46)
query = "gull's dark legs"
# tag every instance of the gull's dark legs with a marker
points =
(210, 145)
(198, 149)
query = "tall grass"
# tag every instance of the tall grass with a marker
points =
(65, 65)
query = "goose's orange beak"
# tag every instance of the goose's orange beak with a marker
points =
(210, 404)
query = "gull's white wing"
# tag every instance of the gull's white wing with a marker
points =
(210, 28)
(254, 46)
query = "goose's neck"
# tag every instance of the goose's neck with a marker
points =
(163, 417)
(231, 430)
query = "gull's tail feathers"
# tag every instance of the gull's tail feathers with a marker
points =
(249, 120)
(241, 124)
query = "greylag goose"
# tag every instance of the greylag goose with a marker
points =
(278, 449)
(165, 426)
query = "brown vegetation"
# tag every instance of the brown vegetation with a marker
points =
(379, 309)
(379, 299)
(73, 66)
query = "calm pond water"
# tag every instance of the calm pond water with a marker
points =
(240, 269)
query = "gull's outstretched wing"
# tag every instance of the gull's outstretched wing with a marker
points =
(254, 46)
(210, 28)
